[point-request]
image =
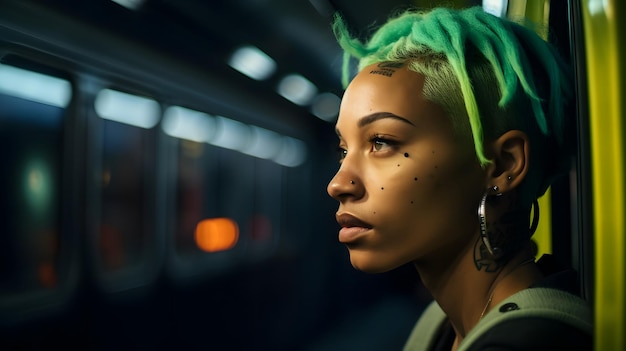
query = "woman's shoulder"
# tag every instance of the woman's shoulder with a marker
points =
(428, 329)
(548, 314)
(534, 319)
(532, 333)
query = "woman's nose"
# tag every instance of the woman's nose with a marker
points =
(345, 184)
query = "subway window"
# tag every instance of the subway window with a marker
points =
(35, 262)
(203, 236)
(126, 246)
(225, 189)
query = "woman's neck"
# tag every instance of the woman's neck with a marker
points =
(466, 294)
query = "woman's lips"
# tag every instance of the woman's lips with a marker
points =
(351, 227)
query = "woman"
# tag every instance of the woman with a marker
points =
(452, 128)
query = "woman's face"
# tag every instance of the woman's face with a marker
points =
(408, 189)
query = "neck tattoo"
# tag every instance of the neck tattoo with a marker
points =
(493, 288)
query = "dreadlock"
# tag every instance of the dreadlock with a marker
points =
(447, 36)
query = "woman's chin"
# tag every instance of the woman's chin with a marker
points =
(370, 265)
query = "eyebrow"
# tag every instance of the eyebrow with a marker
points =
(369, 119)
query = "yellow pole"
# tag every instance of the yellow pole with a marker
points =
(605, 74)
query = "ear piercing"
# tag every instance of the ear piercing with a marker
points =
(496, 190)
(352, 182)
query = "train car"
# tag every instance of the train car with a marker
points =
(164, 171)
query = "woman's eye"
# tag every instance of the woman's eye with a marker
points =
(380, 144)
(342, 153)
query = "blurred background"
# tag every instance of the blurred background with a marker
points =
(164, 171)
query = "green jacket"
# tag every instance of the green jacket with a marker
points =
(532, 319)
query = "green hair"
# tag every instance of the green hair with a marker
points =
(449, 34)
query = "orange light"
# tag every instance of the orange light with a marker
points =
(217, 234)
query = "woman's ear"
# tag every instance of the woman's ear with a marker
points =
(510, 155)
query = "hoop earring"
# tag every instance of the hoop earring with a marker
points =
(483, 224)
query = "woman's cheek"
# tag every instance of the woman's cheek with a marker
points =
(409, 179)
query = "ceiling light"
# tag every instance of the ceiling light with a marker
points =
(34, 86)
(188, 124)
(263, 143)
(231, 134)
(252, 62)
(130, 4)
(292, 153)
(297, 89)
(326, 106)
(128, 109)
